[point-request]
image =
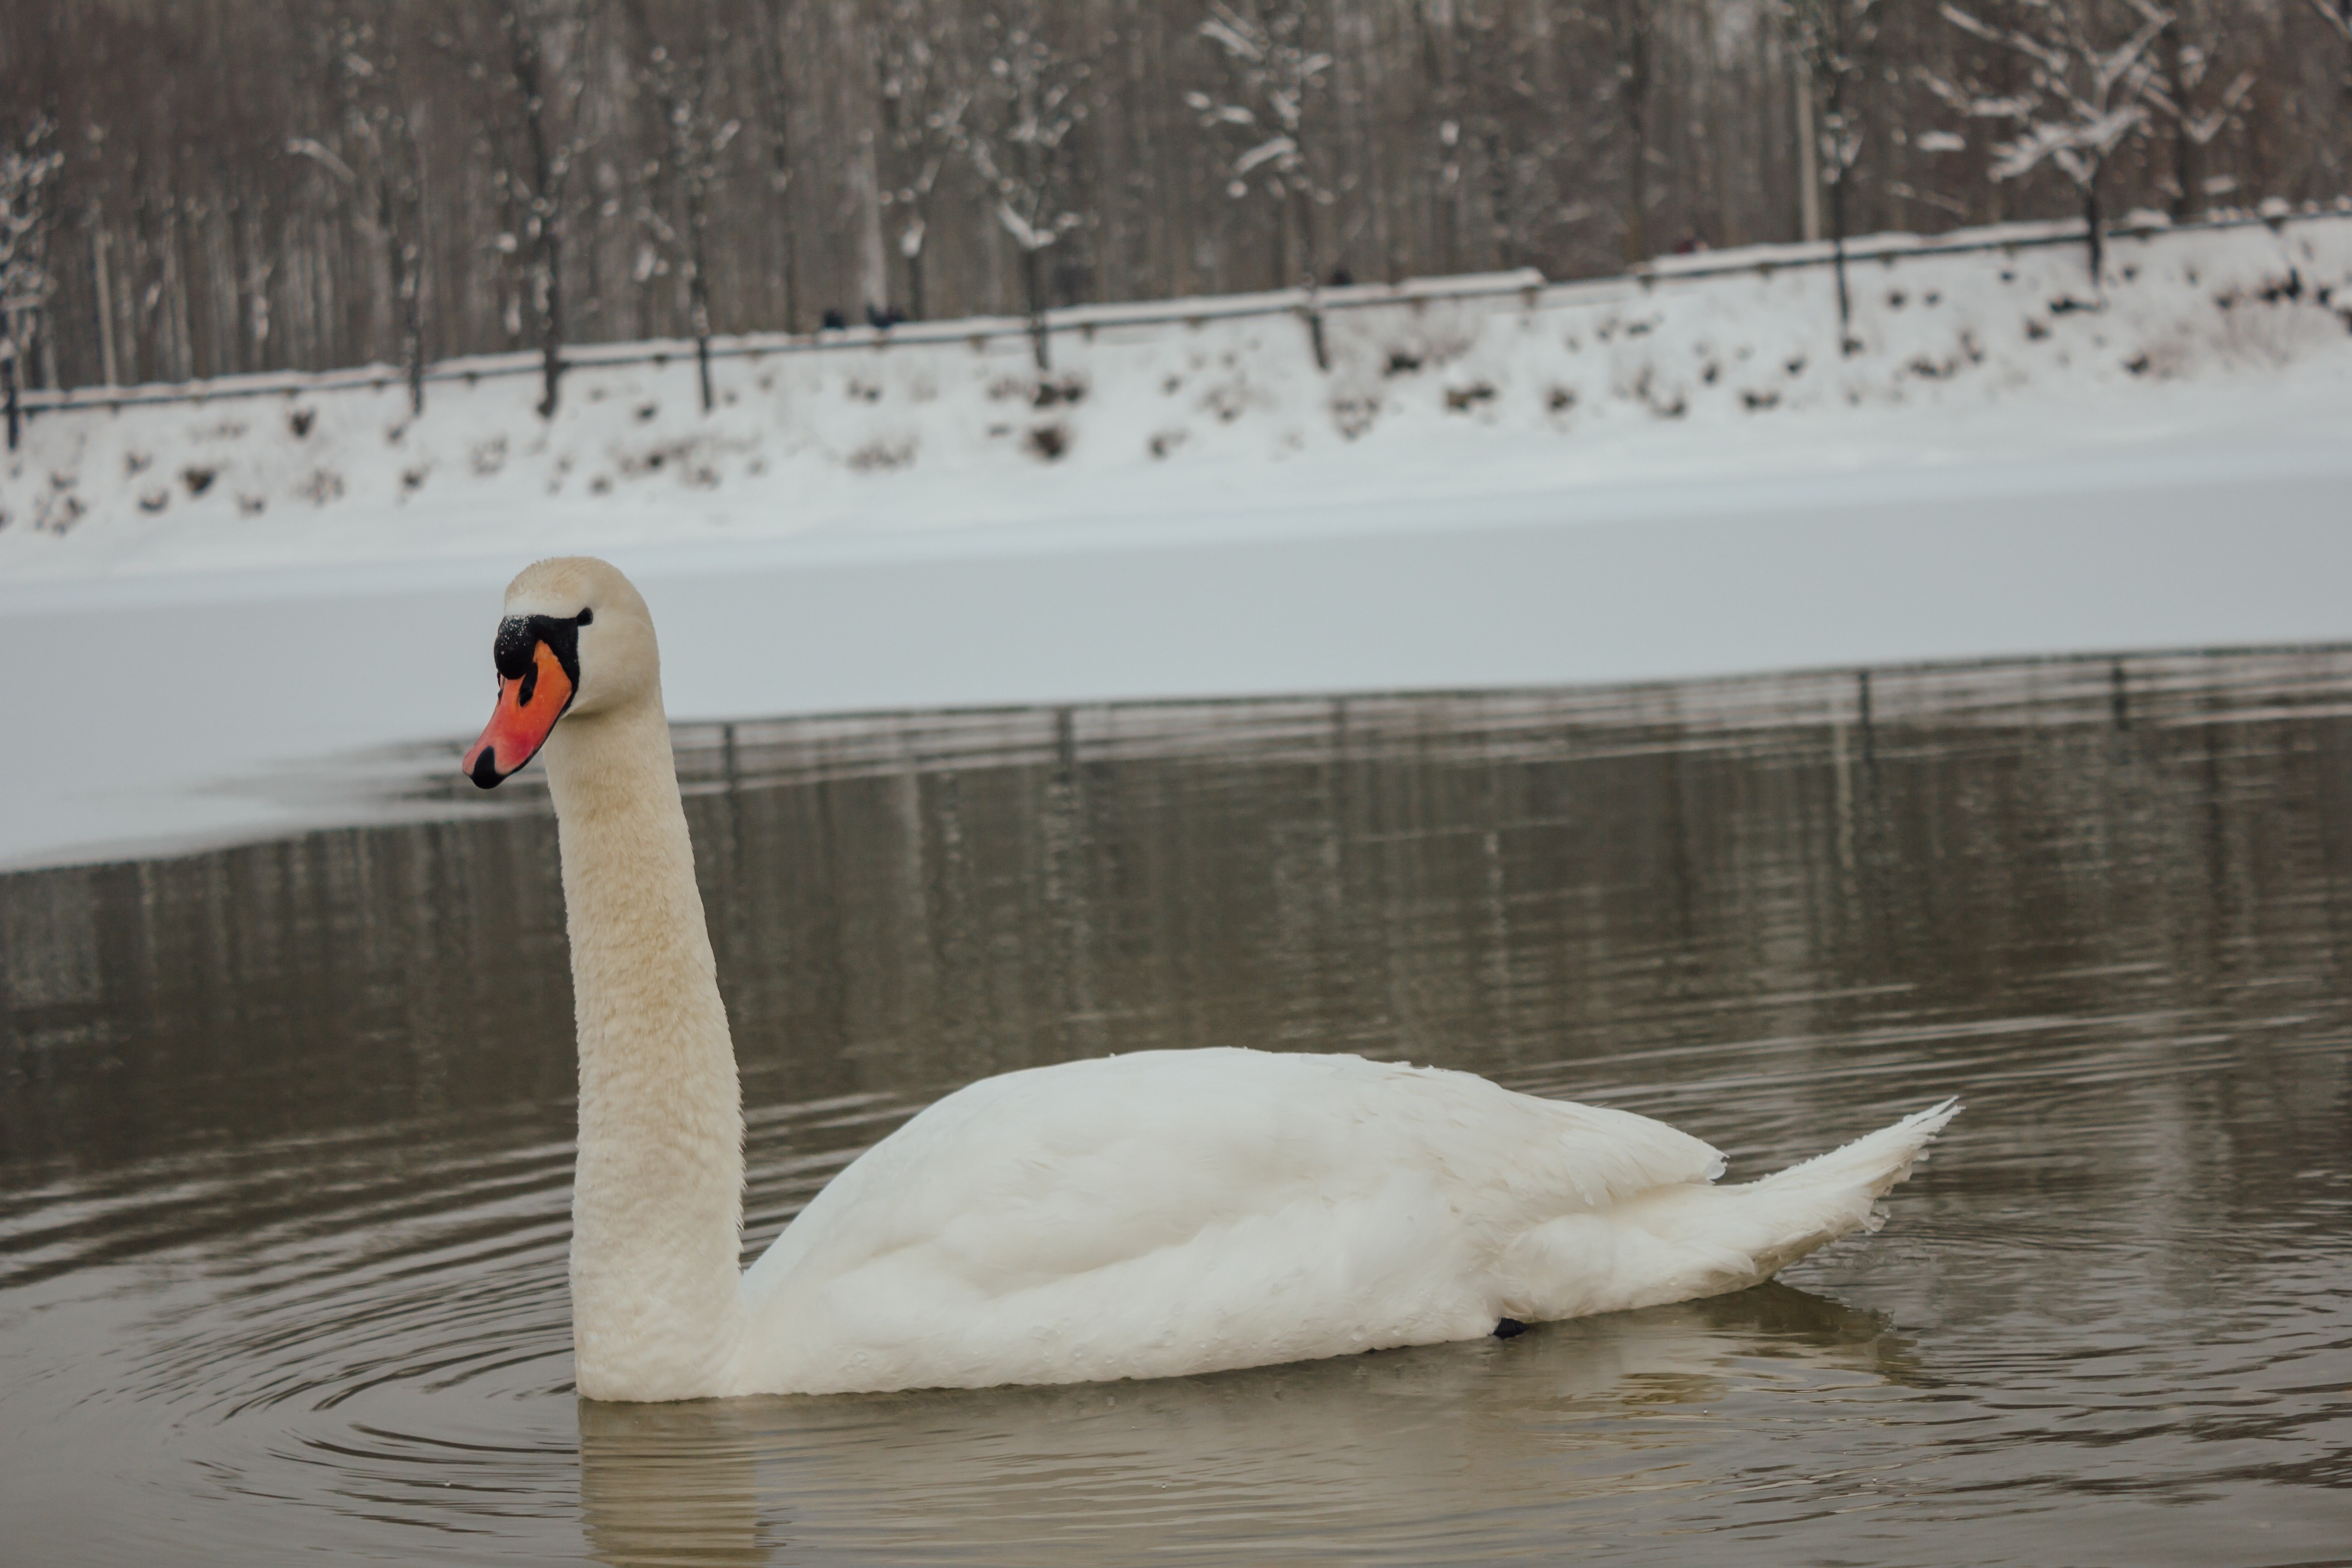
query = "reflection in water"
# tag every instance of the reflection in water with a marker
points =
(285, 1130)
(1406, 1455)
(673, 1483)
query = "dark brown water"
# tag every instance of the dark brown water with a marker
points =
(284, 1132)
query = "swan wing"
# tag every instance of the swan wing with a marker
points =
(1174, 1211)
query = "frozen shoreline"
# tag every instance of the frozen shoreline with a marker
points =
(173, 679)
(198, 708)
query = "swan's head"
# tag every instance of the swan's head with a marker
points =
(576, 639)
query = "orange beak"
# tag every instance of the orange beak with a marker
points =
(528, 706)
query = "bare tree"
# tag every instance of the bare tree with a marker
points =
(1575, 135)
(1271, 78)
(1834, 36)
(2337, 16)
(771, 55)
(682, 83)
(1635, 26)
(1023, 153)
(542, 38)
(1518, 133)
(2078, 106)
(2187, 50)
(924, 102)
(28, 171)
(389, 184)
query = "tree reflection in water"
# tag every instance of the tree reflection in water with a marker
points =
(285, 1129)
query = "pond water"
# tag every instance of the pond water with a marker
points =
(285, 1130)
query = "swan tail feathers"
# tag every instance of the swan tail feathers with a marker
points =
(1686, 1239)
(1808, 1206)
(1878, 1160)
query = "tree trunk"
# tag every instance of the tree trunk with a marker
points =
(1304, 202)
(545, 208)
(1847, 342)
(2091, 227)
(1502, 203)
(1634, 88)
(416, 344)
(1032, 279)
(779, 150)
(551, 318)
(403, 257)
(2187, 176)
(702, 352)
(698, 291)
(1841, 167)
(99, 245)
(8, 389)
(1809, 154)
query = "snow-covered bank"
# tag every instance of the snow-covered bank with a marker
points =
(1569, 387)
(195, 707)
(177, 673)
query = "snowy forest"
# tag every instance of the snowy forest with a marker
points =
(192, 188)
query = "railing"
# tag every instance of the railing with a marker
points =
(1084, 320)
(2004, 237)
(1088, 319)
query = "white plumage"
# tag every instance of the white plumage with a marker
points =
(1144, 1215)
(1187, 1211)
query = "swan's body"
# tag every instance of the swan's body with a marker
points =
(1144, 1215)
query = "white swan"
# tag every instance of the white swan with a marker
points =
(1143, 1215)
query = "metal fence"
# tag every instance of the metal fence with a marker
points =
(1085, 321)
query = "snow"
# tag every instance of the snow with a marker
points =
(1618, 482)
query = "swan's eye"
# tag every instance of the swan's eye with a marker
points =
(583, 618)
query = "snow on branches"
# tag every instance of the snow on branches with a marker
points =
(683, 80)
(2079, 100)
(1834, 36)
(1019, 150)
(1271, 76)
(28, 171)
(1035, 85)
(924, 101)
(1834, 39)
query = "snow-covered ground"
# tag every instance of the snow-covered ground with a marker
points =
(1596, 482)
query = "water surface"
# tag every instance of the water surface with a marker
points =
(285, 1130)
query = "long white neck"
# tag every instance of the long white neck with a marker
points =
(658, 1200)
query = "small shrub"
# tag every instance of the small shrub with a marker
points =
(881, 457)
